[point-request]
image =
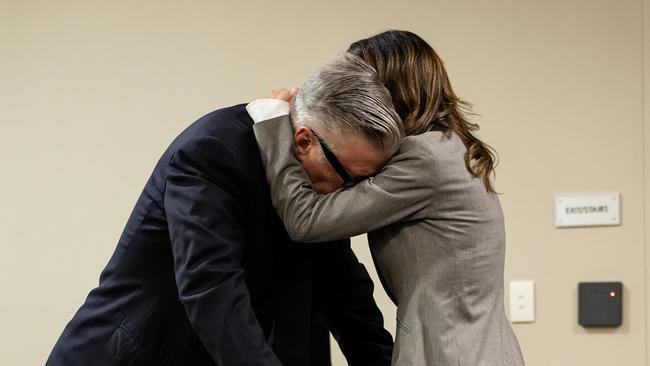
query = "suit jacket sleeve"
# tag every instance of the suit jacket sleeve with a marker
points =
(401, 191)
(203, 204)
(343, 294)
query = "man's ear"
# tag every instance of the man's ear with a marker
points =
(303, 140)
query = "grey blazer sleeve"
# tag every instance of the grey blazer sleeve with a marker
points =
(401, 191)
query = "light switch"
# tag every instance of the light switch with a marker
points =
(522, 301)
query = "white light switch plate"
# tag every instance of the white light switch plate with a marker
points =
(522, 301)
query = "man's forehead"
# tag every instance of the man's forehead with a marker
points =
(359, 157)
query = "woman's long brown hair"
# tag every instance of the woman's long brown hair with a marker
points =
(417, 80)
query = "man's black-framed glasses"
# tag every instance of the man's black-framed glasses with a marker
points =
(336, 164)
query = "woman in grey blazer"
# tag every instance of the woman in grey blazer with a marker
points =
(434, 222)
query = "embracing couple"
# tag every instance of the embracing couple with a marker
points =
(237, 251)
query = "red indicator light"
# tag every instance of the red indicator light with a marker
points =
(612, 294)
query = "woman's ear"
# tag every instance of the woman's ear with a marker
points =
(303, 140)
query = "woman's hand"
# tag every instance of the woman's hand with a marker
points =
(283, 94)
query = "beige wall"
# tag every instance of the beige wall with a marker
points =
(91, 92)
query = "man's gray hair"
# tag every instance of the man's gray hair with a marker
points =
(345, 96)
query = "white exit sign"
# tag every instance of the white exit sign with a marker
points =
(588, 210)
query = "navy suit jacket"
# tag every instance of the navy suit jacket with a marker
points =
(205, 274)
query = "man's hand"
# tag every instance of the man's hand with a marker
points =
(283, 94)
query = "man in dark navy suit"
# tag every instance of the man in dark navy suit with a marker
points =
(204, 273)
